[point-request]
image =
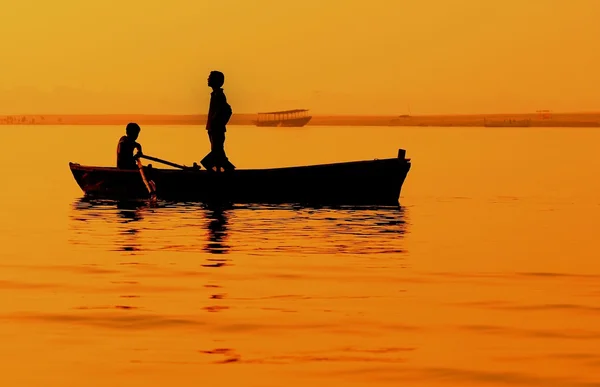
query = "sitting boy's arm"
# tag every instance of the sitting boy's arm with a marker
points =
(137, 146)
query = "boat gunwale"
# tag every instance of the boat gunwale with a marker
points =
(73, 165)
(285, 111)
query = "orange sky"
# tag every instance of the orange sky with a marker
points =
(331, 56)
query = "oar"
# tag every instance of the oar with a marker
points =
(165, 162)
(149, 184)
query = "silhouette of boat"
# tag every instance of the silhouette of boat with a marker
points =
(509, 123)
(369, 182)
(284, 118)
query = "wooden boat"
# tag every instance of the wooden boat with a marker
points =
(284, 118)
(370, 182)
(506, 123)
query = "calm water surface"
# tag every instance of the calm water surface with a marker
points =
(489, 273)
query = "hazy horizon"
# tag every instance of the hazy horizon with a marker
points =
(482, 114)
(341, 57)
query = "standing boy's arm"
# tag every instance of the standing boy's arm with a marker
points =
(211, 112)
(222, 110)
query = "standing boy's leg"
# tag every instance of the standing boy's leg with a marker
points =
(208, 161)
(217, 157)
(218, 148)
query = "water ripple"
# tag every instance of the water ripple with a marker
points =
(136, 228)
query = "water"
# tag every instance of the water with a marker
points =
(487, 275)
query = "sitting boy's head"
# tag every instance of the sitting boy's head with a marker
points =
(216, 79)
(132, 130)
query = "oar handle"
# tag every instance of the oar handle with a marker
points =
(164, 162)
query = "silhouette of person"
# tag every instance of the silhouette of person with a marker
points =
(127, 144)
(129, 212)
(219, 113)
(217, 231)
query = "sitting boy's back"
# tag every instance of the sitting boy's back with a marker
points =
(126, 146)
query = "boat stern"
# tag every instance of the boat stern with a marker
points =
(77, 173)
(107, 181)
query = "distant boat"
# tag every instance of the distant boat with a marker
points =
(284, 118)
(506, 123)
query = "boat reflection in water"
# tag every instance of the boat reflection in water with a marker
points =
(123, 219)
(136, 225)
(138, 228)
(129, 212)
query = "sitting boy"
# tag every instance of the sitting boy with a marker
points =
(127, 144)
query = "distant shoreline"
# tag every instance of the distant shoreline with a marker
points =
(461, 120)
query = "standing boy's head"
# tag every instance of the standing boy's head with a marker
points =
(132, 130)
(216, 79)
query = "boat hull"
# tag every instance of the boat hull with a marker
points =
(286, 123)
(507, 124)
(373, 182)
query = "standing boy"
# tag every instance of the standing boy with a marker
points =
(219, 113)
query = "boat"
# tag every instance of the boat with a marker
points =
(367, 182)
(284, 118)
(510, 123)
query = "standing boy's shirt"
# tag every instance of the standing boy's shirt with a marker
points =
(219, 112)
